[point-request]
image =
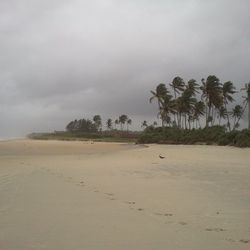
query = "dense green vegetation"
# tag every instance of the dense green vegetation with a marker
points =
(112, 136)
(212, 135)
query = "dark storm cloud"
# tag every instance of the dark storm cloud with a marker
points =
(66, 59)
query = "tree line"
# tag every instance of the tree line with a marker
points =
(96, 124)
(185, 104)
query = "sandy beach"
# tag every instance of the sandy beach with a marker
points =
(83, 195)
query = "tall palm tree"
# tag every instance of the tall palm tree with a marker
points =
(158, 94)
(116, 122)
(193, 87)
(122, 120)
(247, 101)
(199, 110)
(98, 122)
(109, 123)
(237, 114)
(212, 94)
(167, 108)
(223, 114)
(228, 90)
(129, 122)
(178, 86)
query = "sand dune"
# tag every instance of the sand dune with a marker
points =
(79, 195)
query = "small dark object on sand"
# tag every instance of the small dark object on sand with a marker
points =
(161, 157)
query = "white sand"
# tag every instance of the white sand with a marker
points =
(78, 195)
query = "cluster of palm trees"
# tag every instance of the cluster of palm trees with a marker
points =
(123, 120)
(186, 104)
(94, 125)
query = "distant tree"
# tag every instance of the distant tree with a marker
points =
(70, 126)
(116, 122)
(154, 123)
(98, 122)
(81, 125)
(122, 120)
(247, 101)
(109, 123)
(144, 124)
(129, 122)
(237, 114)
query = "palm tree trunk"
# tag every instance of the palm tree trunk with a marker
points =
(228, 121)
(159, 107)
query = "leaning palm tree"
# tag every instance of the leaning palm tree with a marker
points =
(158, 94)
(212, 95)
(228, 90)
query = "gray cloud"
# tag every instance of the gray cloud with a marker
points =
(66, 59)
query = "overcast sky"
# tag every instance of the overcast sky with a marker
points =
(67, 59)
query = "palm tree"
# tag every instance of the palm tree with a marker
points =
(227, 90)
(98, 121)
(212, 94)
(247, 101)
(116, 122)
(199, 110)
(129, 122)
(158, 94)
(223, 114)
(167, 108)
(192, 87)
(178, 85)
(109, 124)
(237, 114)
(144, 124)
(122, 120)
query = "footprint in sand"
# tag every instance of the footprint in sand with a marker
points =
(109, 194)
(244, 241)
(130, 202)
(140, 209)
(230, 240)
(215, 229)
(164, 214)
(183, 223)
